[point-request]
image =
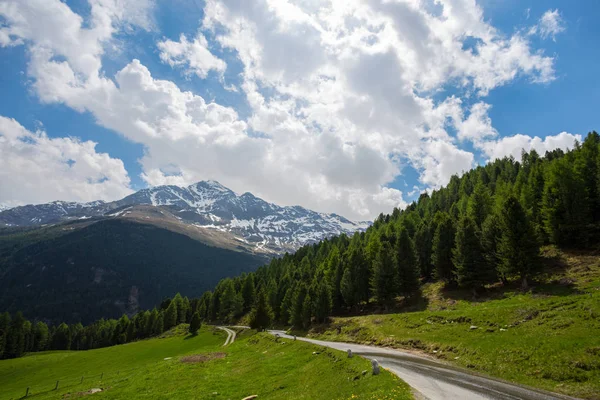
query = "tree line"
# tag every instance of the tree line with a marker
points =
(483, 227)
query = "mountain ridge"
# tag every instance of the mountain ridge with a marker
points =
(208, 204)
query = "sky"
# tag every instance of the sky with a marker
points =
(345, 106)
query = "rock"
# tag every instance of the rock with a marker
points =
(254, 396)
(364, 372)
(375, 366)
(349, 353)
(503, 330)
(473, 327)
(315, 353)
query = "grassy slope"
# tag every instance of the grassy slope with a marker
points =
(550, 336)
(254, 364)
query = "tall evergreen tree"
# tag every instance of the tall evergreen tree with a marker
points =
(472, 270)
(297, 306)
(443, 242)
(384, 280)
(170, 316)
(261, 315)
(349, 291)
(248, 292)
(15, 339)
(423, 247)
(518, 250)
(323, 302)
(61, 339)
(408, 276)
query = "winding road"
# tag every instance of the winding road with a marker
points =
(230, 335)
(434, 380)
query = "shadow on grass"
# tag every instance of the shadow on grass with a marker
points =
(190, 336)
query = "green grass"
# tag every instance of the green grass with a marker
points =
(254, 364)
(548, 337)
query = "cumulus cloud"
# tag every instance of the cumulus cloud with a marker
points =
(195, 55)
(339, 92)
(35, 168)
(514, 145)
(549, 25)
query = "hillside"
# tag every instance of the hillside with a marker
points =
(103, 268)
(253, 364)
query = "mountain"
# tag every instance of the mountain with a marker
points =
(247, 219)
(103, 267)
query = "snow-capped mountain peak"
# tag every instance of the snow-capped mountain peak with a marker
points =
(210, 205)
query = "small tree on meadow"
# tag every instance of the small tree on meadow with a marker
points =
(195, 323)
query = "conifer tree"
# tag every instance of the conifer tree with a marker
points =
(479, 205)
(158, 327)
(323, 302)
(195, 323)
(349, 292)
(408, 276)
(170, 317)
(385, 276)
(518, 250)
(443, 242)
(40, 336)
(307, 311)
(15, 339)
(297, 306)
(61, 340)
(248, 293)
(472, 271)
(423, 247)
(261, 315)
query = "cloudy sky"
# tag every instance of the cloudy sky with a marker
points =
(346, 106)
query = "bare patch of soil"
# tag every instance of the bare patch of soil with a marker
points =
(200, 358)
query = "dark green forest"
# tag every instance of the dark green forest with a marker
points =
(81, 272)
(485, 227)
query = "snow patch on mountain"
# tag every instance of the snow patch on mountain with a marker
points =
(206, 204)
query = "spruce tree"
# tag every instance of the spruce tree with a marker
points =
(61, 340)
(383, 282)
(297, 306)
(261, 315)
(518, 250)
(248, 293)
(349, 292)
(40, 336)
(158, 326)
(195, 323)
(423, 247)
(15, 339)
(323, 302)
(170, 317)
(472, 270)
(307, 311)
(443, 242)
(408, 275)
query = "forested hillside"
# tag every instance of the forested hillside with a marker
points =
(483, 228)
(83, 271)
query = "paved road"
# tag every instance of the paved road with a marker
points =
(230, 335)
(435, 380)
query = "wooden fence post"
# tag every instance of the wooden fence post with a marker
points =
(27, 392)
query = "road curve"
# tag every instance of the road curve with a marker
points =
(230, 335)
(435, 380)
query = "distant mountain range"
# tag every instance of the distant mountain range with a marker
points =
(208, 208)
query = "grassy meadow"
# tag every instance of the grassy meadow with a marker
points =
(199, 367)
(547, 337)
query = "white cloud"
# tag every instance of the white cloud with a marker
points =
(549, 25)
(514, 145)
(339, 92)
(35, 168)
(195, 55)
(478, 125)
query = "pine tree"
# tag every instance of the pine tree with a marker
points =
(490, 237)
(323, 302)
(261, 315)
(40, 336)
(423, 247)
(297, 306)
(307, 311)
(443, 242)
(248, 293)
(170, 317)
(472, 270)
(479, 205)
(5, 321)
(408, 276)
(195, 323)
(518, 250)
(385, 277)
(61, 340)
(15, 339)
(349, 293)
(158, 326)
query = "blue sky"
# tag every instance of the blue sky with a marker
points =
(351, 111)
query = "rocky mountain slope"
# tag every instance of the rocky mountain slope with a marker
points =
(253, 222)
